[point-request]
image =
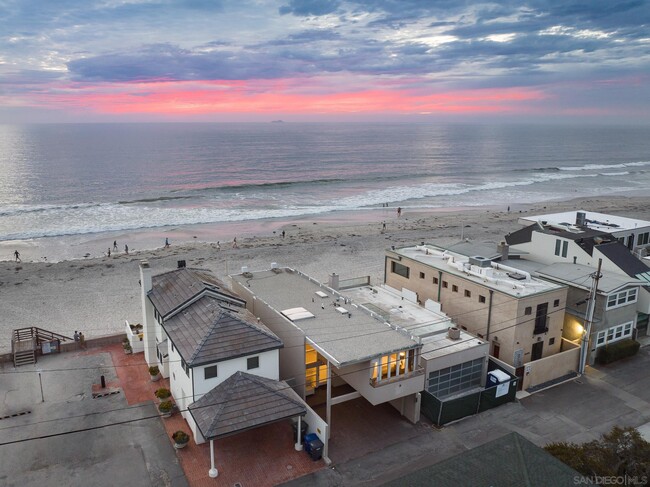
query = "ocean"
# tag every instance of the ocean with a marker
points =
(83, 182)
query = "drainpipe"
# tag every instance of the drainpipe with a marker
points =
(489, 320)
(439, 284)
(298, 445)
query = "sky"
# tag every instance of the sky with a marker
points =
(324, 60)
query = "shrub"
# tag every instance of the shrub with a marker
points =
(154, 370)
(163, 393)
(617, 351)
(180, 437)
(165, 406)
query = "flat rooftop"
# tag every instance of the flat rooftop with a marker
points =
(498, 279)
(345, 332)
(601, 222)
(431, 326)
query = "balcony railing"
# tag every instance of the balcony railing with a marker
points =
(419, 370)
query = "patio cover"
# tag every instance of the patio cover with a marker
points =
(243, 402)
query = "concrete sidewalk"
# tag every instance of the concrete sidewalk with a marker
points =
(576, 411)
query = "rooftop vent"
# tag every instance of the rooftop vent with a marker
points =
(453, 333)
(180, 264)
(479, 261)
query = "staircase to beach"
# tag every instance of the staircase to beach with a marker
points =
(26, 342)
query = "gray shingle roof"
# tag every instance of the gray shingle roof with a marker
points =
(171, 290)
(242, 402)
(511, 460)
(207, 332)
(623, 258)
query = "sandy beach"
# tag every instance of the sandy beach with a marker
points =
(95, 295)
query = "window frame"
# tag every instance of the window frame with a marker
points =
(257, 362)
(207, 371)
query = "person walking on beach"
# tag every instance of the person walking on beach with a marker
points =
(166, 243)
(109, 251)
(115, 245)
(399, 211)
(234, 243)
(17, 256)
(283, 232)
(383, 226)
(218, 245)
(126, 249)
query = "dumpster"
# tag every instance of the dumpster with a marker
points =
(314, 446)
(496, 377)
(303, 428)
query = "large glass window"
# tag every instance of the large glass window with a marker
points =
(455, 379)
(622, 298)
(399, 269)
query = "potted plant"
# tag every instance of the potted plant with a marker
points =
(127, 348)
(181, 439)
(154, 372)
(163, 394)
(166, 408)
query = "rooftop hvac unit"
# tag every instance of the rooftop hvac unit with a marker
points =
(480, 261)
(581, 219)
(516, 276)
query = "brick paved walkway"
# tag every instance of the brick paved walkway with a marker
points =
(263, 456)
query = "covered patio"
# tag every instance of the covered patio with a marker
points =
(244, 402)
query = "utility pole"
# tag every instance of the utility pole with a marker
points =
(589, 318)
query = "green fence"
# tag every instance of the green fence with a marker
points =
(442, 411)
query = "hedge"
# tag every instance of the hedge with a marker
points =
(617, 351)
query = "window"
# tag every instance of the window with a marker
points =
(551, 341)
(172, 346)
(435, 280)
(556, 303)
(468, 293)
(421, 275)
(614, 333)
(399, 269)
(186, 367)
(481, 299)
(252, 363)
(528, 310)
(622, 298)
(558, 244)
(454, 288)
(210, 372)
(445, 284)
(565, 247)
(452, 380)
(643, 238)
(541, 317)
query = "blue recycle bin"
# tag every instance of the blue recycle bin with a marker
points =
(313, 446)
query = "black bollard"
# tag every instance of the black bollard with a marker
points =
(103, 382)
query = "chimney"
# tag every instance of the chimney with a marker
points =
(148, 320)
(333, 281)
(502, 248)
(453, 333)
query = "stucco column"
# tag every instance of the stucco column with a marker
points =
(298, 444)
(213, 472)
(329, 398)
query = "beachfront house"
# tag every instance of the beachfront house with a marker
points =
(580, 244)
(520, 316)
(630, 232)
(330, 342)
(222, 363)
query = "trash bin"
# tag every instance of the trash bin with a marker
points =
(303, 428)
(496, 377)
(313, 446)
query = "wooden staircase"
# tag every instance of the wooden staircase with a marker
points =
(26, 343)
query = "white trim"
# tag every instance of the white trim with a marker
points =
(614, 333)
(622, 298)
